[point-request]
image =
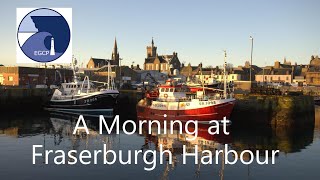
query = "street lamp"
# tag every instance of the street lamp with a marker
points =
(251, 38)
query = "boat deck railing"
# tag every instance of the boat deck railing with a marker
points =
(190, 98)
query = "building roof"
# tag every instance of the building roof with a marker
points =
(99, 61)
(136, 68)
(279, 71)
(102, 62)
(152, 59)
(315, 61)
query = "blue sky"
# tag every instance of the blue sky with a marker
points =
(198, 30)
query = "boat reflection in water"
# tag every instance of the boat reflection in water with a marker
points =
(175, 141)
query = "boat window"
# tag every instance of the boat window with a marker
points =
(171, 89)
(167, 89)
(78, 86)
(161, 89)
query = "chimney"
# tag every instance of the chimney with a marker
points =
(131, 66)
(247, 64)
(138, 66)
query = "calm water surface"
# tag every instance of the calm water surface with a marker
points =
(299, 157)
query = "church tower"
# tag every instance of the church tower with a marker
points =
(115, 53)
(151, 50)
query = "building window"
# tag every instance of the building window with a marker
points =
(1, 79)
(270, 78)
(10, 78)
(287, 78)
(232, 77)
(278, 78)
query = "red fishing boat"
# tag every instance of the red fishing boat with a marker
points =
(173, 101)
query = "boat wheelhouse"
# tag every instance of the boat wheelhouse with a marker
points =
(83, 97)
(177, 102)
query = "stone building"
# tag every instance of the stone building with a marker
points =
(313, 74)
(32, 76)
(189, 71)
(98, 62)
(123, 74)
(161, 63)
(279, 73)
(240, 73)
(94, 63)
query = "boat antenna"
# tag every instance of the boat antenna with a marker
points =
(225, 75)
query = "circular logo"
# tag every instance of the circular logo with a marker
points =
(43, 35)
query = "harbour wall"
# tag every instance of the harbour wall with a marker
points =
(273, 110)
(14, 100)
(276, 111)
(126, 104)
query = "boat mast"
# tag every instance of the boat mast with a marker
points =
(202, 80)
(225, 75)
(108, 74)
(73, 64)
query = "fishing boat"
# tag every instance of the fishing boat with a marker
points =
(173, 101)
(83, 97)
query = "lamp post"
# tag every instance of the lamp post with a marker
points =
(251, 38)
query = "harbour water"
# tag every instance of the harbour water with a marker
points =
(299, 156)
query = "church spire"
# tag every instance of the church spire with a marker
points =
(152, 43)
(115, 47)
(115, 53)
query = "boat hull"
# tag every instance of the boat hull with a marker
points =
(204, 114)
(95, 105)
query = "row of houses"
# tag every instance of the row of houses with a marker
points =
(288, 73)
(285, 73)
(163, 66)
